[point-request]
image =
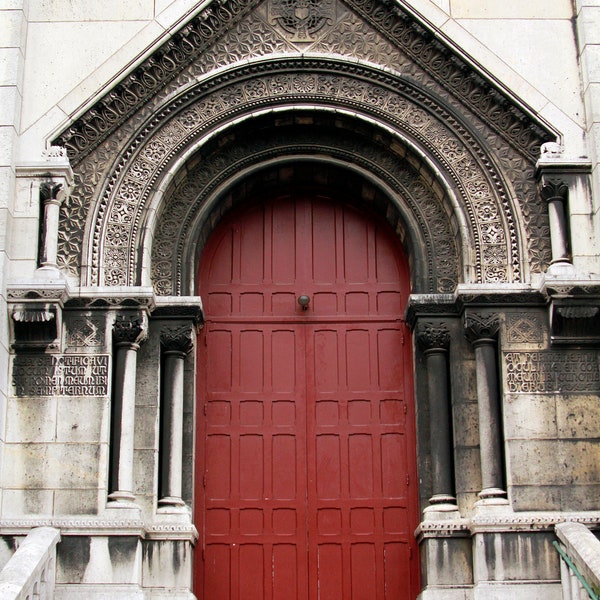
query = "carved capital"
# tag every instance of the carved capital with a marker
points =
(553, 187)
(50, 191)
(129, 329)
(481, 326)
(178, 339)
(433, 336)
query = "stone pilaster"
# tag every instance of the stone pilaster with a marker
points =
(128, 331)
(176, 343)
(482, 331)
(434, 340)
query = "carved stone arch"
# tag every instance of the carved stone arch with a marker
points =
(497, 224)
(314, 149)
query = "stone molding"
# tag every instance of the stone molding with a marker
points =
(505, 523)
(103, 527)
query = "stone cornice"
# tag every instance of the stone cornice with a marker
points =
(504, 523)
(103, 527)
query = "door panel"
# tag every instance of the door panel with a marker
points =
(305, 455)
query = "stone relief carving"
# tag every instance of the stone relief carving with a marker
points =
(301, 18)
(85, 332)
(433, 336)
(524, 329)
(241, 29)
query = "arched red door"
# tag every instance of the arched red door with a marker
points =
(305, 484)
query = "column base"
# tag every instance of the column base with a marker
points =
(121, 499)
(441, 507)
(172, 504)
(492, 500)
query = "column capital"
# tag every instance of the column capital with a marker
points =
(481, 326)
(433, 336)
(52, 191)
(554, 187)
(178, 339)
(129, 329)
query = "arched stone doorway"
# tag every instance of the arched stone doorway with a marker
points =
(306, 479)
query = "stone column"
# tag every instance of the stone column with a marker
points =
(176, 344)
(51, 194)
(128, 332)
(555, 191)
(482, 332)
(434, 340)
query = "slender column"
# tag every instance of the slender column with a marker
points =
(434, 340)
(128, 332)
(51, 195)
(555, 191)
(482, 331)
(176, 344)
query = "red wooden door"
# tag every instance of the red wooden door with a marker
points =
(306, 483)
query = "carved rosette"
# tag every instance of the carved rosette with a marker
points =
(481, 326)
(178, 339)
(433, 336)
(129, 330)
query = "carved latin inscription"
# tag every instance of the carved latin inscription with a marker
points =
(551, 371)
(71, 375)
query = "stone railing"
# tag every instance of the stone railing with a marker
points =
(580, 565)
(29, 574)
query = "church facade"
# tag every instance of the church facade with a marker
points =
(300, 299)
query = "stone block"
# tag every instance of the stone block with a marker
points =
(98, 560)
(31, 420)
(466, 424)
(578, 417)
(82, 419)
(467, 469)
(521, 590)
(20, 503)
(12, 28)
(529, 416)
(76, 502)
(590, 63)
(23, 230)
(167, 564)
(7, 140)
(528, 460)
(110, 10)
(145, 472)
(518, 556)
(146, 427)
(580, 497)
(579, 461)
(46, 466)
(446, 561)
(535, 497)
(511, 9)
